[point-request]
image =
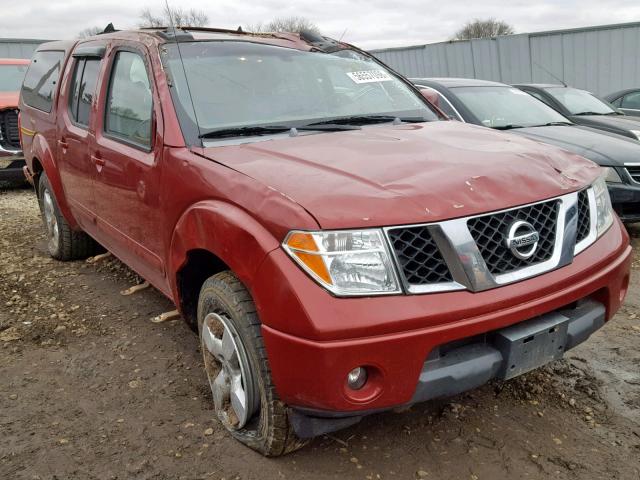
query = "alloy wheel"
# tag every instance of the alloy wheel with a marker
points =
(235, 391)
(50, 221)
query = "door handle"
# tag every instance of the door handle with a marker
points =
(63, 143)
(98, 161)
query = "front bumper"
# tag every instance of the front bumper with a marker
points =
(313, 339)
(625, 199)
(503, 354)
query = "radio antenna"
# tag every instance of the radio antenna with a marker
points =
(550, 74)
(184, 70)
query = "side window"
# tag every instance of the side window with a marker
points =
(83, 89)
(41, 79)
(631, 100)
(617, 102)
(447, 108)
(129, 102)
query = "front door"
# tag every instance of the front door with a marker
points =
(126, 156)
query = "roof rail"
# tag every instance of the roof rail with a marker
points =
(213, 29)
(175, 34)
(183, 32)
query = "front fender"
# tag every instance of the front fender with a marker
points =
(226, 231)
(41, 150)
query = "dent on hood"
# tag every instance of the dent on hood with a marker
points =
(566, 171)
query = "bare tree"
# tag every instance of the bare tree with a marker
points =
(483, 29)
(285, 24)
(180, 16)
(90, 32)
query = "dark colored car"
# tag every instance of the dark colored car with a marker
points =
(12, 72)
(339, 249)
(584, 108)
(503, 107)
(627, 101)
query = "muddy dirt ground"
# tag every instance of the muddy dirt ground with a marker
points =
(91, 388)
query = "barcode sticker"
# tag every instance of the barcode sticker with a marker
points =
(370, 76)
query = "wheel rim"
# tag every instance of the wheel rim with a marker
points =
(234, 389)
(50, 220)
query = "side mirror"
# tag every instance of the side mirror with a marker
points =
(431, 96)
(434, 99)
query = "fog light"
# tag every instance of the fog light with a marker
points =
(357, 378)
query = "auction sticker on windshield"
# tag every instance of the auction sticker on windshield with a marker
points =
(370, 76)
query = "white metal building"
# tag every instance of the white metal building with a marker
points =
(600, 59)
(18, 47)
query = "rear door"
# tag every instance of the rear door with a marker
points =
(77, 131)
(127, 156)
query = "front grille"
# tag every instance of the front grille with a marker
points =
(634, 173)
(9, 128)
(584, 217)
(489, 233)
(419, 258)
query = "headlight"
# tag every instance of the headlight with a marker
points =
(345, 262)
(636, 133)
(611, 176)
(604, 212)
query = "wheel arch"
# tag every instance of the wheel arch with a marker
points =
(44, 160)
(212, 236)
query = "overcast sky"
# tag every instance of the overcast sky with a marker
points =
(368, 24)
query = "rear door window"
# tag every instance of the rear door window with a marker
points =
(83, 90)
(41, 80)
(129, 102)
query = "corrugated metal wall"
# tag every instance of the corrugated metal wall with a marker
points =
(600, 59)
(18, 47)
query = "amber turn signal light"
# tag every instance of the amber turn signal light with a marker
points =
(303, 246)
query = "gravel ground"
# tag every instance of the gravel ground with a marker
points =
(90, 388)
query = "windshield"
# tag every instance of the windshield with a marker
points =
(11, 77)
(580, 102)
(241, 84)
(506, 107)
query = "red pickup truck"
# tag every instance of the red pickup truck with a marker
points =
(340, 250)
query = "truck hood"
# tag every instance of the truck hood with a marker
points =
(9, 100)
(411, 173)
(606, 149)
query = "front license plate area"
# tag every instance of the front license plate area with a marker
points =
(531, 344)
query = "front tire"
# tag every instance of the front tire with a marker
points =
(236, 363)
(63, 242)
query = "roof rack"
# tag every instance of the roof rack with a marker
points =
(183, 32)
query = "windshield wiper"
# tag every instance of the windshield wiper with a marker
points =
(553, 124)
(367, 119)
(267, 129)
(243, 131)
(508, 127)
(589, 113)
